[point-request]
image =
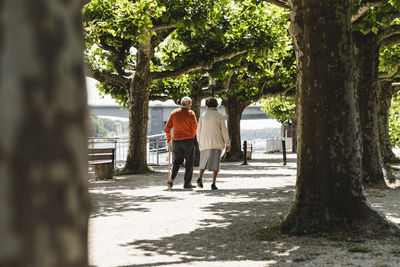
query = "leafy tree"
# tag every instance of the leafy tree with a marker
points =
(329, 195)
(281, 108)
(242, 91)
(103, 127)
(388, 67)
(375, 25)
(243, 33)
(123, 39)
(267, 69)
(96, 128)
(376, 28)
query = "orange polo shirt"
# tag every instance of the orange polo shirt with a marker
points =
(184, 123)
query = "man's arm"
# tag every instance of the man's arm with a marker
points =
(193, 124)
(168, 128)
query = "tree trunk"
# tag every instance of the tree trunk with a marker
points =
(196, 107)
(294, 136)
(234, 108)
(329, 195)
(43, 135)
(385, 94)
(367, 56)
(139, 95)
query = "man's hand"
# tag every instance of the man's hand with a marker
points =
(227, 148)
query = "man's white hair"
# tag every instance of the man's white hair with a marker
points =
(185, 101)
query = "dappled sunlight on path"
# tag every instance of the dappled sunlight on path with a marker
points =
(136, 221)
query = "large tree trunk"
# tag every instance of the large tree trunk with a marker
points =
(43, 135)
(329, 195)
(234, 108)
(385, 94)
(139, 95)
(367, 56)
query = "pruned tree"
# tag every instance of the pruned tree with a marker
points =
(44, 202)
(371, 31)
(283, 109)
(329, 194)
(244, 90)
(266, 70)
(123, 38)
(387, 87)
(372, 23)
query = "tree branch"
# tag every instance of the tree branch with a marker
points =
(207, 66)
(279, 3)
(163, 27)
(105, 77)
(391, 41)
(362, 10)
(84, 2)
(159, 97)
(391, 74)
(389, 31)
(395, 88)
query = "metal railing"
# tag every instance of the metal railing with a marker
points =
(157, 148)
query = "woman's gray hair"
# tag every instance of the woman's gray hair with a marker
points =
(186, 101)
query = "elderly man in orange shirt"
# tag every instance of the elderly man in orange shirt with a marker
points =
(184, 122)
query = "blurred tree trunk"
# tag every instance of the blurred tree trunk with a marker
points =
(329, 195)
(43, 139)
(385, 94)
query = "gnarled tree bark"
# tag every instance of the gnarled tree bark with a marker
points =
(385, 94)
(329, 195)
(367, 57)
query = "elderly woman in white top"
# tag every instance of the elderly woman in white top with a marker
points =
(212, 137)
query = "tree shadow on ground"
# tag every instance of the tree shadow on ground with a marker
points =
(234, 236)
(237, 233)
(136, 181)
(385, 201)
(108, 204)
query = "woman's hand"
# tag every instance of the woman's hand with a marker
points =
(227, 148)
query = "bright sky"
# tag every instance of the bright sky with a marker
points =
(95, 99)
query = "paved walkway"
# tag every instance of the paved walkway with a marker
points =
(136, 221)
(130, 213)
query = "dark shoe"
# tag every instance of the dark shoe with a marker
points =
(199, 183)
(214, 187)
(189, 186)
(170, 184)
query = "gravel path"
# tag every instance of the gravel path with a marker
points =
(137, 222)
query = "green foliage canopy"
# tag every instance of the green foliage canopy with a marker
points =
(283, 109)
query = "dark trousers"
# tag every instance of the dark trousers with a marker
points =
(183, 150)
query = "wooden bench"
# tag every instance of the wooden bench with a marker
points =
(102, 160)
